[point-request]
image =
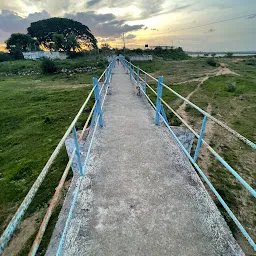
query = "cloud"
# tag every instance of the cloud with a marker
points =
(92, 3)
(130, 36)
(211, 30)
(104, 25)
(12, 22)
(252, 16)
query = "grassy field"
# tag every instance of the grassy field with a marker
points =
(35, 111)
(236, 108)
(19, 66)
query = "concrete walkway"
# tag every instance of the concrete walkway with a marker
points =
(142, 196)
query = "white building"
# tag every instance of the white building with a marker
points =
(42, 54)
(141, 58)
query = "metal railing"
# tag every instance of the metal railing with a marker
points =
(94, 118)
(136, 75)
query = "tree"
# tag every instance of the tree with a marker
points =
(62, 43)
(229, 54)
(44, 31)
(71, 43)
(58, 40)
(105, 47)
(21, 42)
(213, 54)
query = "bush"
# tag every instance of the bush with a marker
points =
(102, 64)
(17, 54)
(212, 62)
(48, 66)
(4, 56)
(231, 87)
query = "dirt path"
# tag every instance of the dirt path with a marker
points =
(222, 70)
(181, 109)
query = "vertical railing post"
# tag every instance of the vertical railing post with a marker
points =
(138, 74)
(145, 83)
(158, 99)
(200, 138)
(97, 98)
(130, 69)
(77, 151)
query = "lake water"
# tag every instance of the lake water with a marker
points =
(222, 55)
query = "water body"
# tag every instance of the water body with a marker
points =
(222, 55)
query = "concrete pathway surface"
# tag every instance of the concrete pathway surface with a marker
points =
(141, 196)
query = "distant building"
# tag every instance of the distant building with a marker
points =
(42, 54)
(141, 58)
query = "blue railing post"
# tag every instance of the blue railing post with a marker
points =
(158, 99)
(200, 138)
(97, 98)
(145, 83)
(138, 74)
(130, 69)
(77, 151)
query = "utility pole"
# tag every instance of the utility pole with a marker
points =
(124, 40)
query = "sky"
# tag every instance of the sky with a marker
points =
(152, 22)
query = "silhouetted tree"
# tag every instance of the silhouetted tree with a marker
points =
(21, 42)
(44, 31)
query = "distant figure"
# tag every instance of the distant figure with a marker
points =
(117, 61)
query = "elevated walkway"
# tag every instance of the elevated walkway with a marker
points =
(141, 195)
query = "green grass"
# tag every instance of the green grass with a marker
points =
(35, 112)
(14, 67)
(18, 66)
(235, 109)
(176, 71)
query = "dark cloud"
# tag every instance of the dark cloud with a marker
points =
(211, 30)
(11, 22)
(104, 25)
(252, 16)
(92, 3)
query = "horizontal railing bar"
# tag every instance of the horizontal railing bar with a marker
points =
(230, 169)
(222, 124)
(231, 214)
(221, 160)
(153, 105)
(62, 240)
(55, 198)
(26, 202)
(5, 237)
(241, 137)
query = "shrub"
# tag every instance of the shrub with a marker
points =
(212, 62)
(48, 66)
(4, 56)
(102, 64)
(231, 87)
(188, 108)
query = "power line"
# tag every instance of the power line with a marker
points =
(215, 22)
